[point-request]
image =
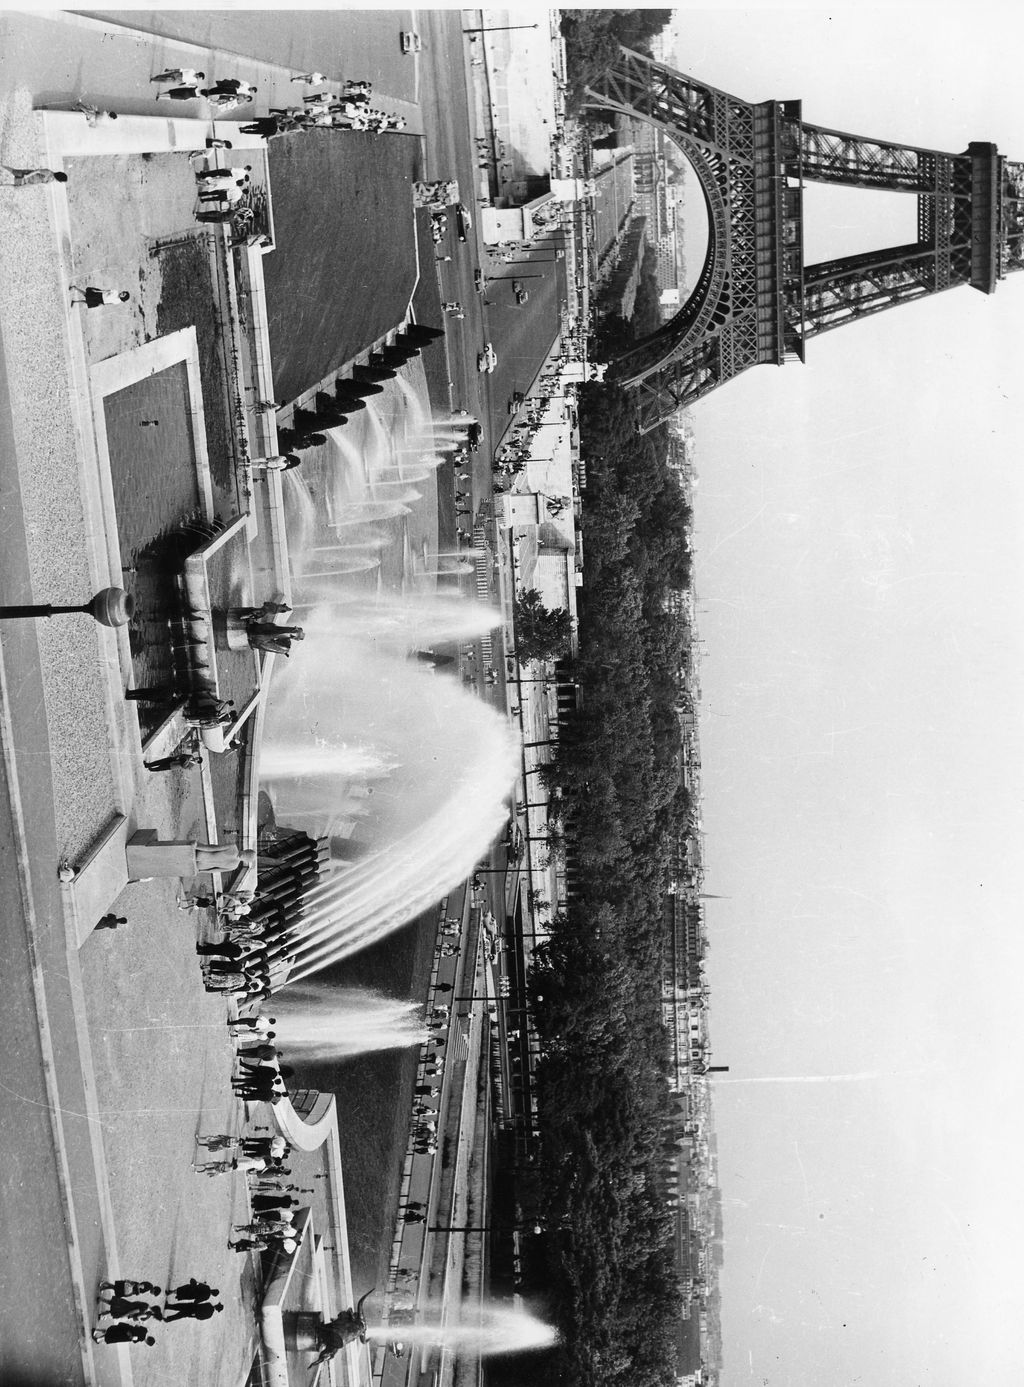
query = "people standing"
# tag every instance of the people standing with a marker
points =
(93, 297)
(187, 92)
(110, 921)
(123, 1334)
(191, 1311)
(180, 76)
(194, 1291)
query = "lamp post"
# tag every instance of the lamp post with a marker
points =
(493, 28)
(485, 1228)
(109, 607)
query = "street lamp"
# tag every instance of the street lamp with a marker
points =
(491, 28)
(109, 607)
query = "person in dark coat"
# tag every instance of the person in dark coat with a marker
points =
(123, 1334)
(194, 1291)
(110, 921)
(263, 1202)
(125, 1286)
(121, 1308)
(202, 1311)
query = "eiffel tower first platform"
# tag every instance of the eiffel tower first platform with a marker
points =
(756, 302)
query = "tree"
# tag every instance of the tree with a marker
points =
(541, 634)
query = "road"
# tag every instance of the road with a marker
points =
(339, 43)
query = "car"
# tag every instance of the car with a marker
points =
(478, 280)
(521, 293)
(486, 360)
(517, 401)
(463, 221)
(411, 42)
(474, 436)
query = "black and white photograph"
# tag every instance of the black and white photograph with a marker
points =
(512, 696)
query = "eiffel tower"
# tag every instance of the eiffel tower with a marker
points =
(756, 302)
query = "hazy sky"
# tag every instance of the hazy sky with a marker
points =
(859, 574)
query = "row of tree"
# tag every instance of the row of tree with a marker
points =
(595, 987)
(592, 39)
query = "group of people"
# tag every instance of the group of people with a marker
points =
(124, 1314)
(242, 964)
(224, 94)
(348, 110)
(273, 1198)
(223, 187)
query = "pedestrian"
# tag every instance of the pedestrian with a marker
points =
(249, 1245)
(267, 126)
(196, 902)
(110, 921)
(253, 1053)
(93, 115)
(212, 1168)
(182, 759)
(270, 1147)
(124, 1286)
(193, 1290)
(227, 949)
(187, 76)
(123, 1334)
(98, 298)
(121, 1308)
(219, 1141)
(252, 1023)
(230, 86)
(265, 1228)
(231, 196)
(237, 174)
(23, 178)
(264, 1202)
(189, 91)
(192, 1312)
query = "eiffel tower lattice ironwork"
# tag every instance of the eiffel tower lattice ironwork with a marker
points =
(755, 300)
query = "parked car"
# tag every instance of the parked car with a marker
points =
(478, 280)
(463, 221)
(486, 360)
(411, 41)
(520, 291)
(517, 401)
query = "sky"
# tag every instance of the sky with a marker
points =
(860, 573)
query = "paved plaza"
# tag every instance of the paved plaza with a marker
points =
(130, 434)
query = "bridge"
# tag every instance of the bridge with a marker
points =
(755, 301)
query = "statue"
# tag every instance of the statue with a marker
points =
(333, 1335)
